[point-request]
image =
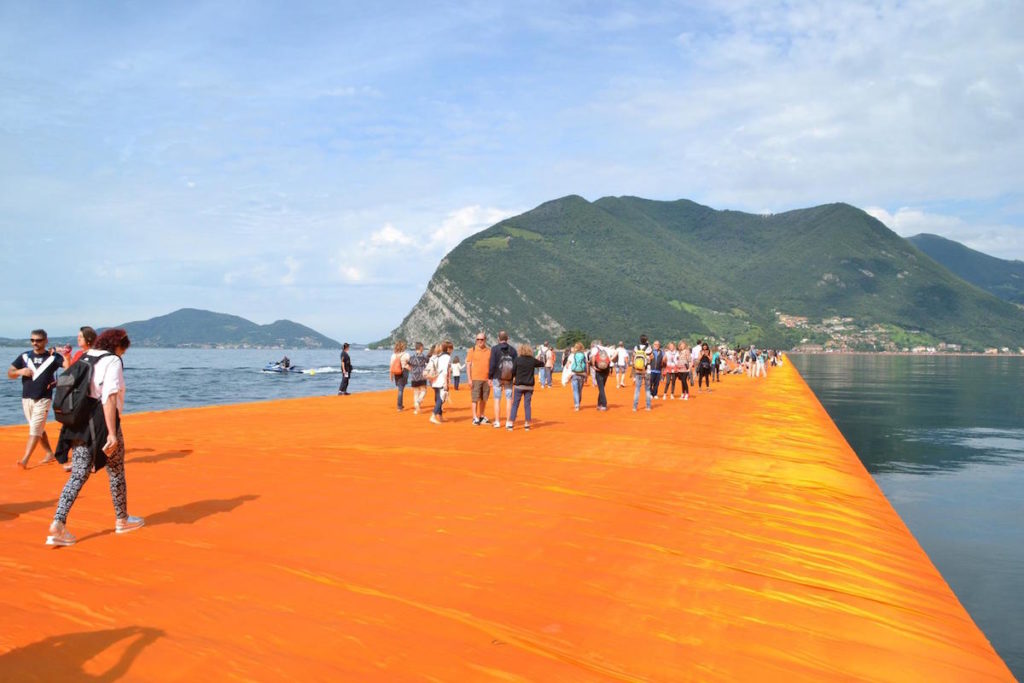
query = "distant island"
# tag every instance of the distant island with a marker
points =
(192, 328)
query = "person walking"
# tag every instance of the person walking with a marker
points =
(671, 370)
(579, 366)
(657, 365)
(399, 368)
(621, 363)
(641, 365)
(601, 362)
(86, 338)
(37, 368)
(417, 364)
(478, 362)
(441, 369)
(102, 445)
(704, 368)
(501, 372)
(522, 389)
(346, 370)
(549, 365)
(456, 372)
(683, 369)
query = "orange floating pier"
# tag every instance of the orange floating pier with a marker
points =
(734, 537)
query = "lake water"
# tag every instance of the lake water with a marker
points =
(944, 438)
(158, 379)
(942, 435)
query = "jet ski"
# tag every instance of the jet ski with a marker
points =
(280, 369)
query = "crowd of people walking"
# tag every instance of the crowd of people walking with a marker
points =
(509, 374)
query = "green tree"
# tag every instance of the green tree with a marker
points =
(570, 337)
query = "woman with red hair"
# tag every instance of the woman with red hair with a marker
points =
(99, 442)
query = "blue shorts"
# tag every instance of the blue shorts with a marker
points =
(496, 388)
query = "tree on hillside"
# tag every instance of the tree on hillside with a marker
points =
(570, 337)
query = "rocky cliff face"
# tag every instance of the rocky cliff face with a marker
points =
(445, 311)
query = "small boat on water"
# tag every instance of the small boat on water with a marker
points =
(280, 369)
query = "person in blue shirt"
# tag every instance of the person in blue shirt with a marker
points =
(37, 369)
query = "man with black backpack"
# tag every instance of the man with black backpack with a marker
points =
(501, 372)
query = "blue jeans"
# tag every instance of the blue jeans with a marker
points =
(577, 388)
(544, 374)
(526, 395)
(438, 403)
(400, 382)
(601, 379)
(641, 383)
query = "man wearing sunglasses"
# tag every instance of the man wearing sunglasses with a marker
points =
(37, 369)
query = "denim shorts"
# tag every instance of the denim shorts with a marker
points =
(496, 386)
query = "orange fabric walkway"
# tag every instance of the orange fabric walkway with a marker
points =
(735, 537)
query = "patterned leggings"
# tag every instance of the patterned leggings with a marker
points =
(81, 468)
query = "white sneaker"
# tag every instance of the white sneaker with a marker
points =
(127, 524)
(59, 535)
(434, 420)
(497, 425)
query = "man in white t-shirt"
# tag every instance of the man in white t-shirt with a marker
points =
(621, 361)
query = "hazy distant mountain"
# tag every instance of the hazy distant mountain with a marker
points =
(191, 327)
(1000, 277)
(621, 266)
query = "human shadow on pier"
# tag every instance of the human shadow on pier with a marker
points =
(9, 511)
(160, 457)
(63, 657)
(190, 513)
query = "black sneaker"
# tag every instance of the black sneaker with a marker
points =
(476, 421)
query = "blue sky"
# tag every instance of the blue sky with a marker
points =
(314, 161)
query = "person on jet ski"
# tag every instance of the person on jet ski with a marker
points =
(285, 363)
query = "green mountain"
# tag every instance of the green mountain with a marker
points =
(191, 327)
(1005, 279)
(621, 266)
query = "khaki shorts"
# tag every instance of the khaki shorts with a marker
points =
(480, 391)
(36, 412)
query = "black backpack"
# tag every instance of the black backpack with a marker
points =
(506, 367)
(72, 405)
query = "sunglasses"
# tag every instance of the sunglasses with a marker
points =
(481, 339)
(37, 341)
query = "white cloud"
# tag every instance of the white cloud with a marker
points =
(350, 273)
(392, 255)
(1001, 241)
(461, 223)
(387, 237)
(293, 265)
